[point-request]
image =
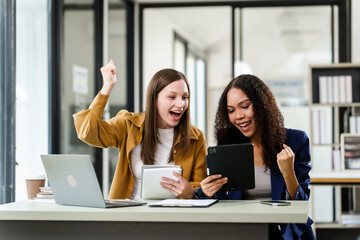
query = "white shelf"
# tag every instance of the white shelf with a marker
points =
(335, 174)
(334, 226)
(351, 220)
(355, 104)
(327, 145)
(348, 221)
(335, 177)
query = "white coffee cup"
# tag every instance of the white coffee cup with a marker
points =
(33, 184)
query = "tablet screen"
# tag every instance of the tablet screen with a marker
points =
(151, 177)
(236, 162)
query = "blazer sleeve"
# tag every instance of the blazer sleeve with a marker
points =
(199, 194)
(299, 143)
(228, 195)
(302, 167)
(93, 130)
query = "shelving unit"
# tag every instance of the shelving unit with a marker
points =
(328, 174)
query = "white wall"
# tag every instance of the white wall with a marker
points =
(157, 48)
(218, 75)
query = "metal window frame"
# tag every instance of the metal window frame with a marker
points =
(55, 32)
(7, 100)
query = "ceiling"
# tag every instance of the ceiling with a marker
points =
(208, 25)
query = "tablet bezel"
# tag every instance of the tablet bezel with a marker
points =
(151, 190)
(234, 161)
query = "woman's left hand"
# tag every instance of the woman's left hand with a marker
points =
(285, 160)
(180, 188)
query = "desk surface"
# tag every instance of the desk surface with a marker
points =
(232, 211)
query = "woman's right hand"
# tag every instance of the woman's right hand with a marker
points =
(109, 77)
(212, 184)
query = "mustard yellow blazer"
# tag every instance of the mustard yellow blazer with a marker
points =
(124, 131)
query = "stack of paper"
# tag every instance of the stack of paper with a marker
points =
(45, 196)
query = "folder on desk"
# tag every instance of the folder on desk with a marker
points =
(184, 203)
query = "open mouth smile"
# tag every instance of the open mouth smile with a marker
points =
(176, 114)
(244, 124)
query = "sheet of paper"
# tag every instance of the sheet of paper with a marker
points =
(80, 79)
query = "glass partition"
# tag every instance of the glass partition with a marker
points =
(282, 48)
(200, 48)
(77, 72)
(31, 120)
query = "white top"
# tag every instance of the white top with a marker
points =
(162, 154)
(262, 190)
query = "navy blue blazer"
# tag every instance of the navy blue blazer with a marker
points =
(298, 141)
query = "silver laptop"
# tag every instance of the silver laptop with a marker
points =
(73, 182)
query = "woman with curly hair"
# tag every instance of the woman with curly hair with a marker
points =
(247, 112)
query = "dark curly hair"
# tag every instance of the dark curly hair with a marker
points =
(267, 116)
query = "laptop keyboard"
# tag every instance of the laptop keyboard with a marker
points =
(112, 205)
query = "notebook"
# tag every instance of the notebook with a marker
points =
(236, 162)
(150, 181)
(73, 181)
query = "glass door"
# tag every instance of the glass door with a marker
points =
(116, 35)
(285, 43)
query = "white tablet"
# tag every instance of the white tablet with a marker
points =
(150, 181)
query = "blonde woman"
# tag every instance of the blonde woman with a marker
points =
(162, 135)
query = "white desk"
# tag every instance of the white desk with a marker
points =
(224, 220)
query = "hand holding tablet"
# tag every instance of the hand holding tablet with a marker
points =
(235, 162)
(150, 181)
